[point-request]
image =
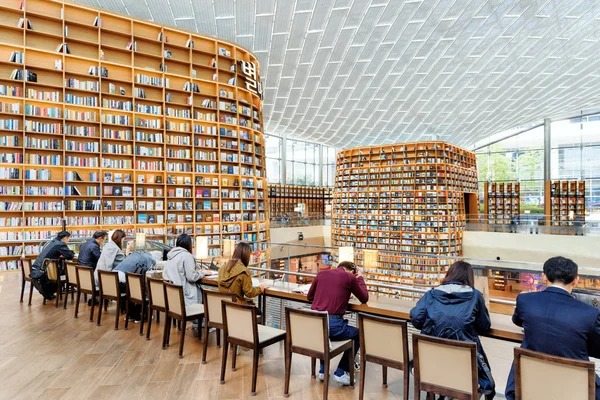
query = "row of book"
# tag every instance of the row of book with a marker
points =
(43, 206)
(44, 144)
(18, 74)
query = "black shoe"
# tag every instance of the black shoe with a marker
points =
(51, 297)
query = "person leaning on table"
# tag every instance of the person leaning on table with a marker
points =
(330, 292)
(456, 310)
(54, 250)
(234, 276)
(89, 252)
(556, 323)
(180, 269)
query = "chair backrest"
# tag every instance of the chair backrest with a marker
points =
(174, 301)
(239, 321)
(542, 376)
(383, 338)
(85, 278)
(108, 282)
(135, 286)
(26, 265)
(71, 273)
(307, 329)
(212, 305)
(52, 270)
(156, 293)
(448, 366)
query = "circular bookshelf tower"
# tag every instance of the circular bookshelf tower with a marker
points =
(117, 122)
(409, 203)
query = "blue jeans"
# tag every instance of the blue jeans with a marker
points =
(340, 330)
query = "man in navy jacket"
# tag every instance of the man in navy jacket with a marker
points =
(555, 322)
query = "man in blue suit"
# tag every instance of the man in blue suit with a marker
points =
(555, 322)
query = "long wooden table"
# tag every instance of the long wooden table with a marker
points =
(502, 326)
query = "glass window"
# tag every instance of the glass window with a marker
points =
(273, 170)
(289, 172)
(566, 163)
(273, 146)
(299, 173)
(530, 164)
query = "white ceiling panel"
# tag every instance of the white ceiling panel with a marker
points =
(352, 72)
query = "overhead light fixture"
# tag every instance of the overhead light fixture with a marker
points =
(346, 253)
(201, 247)
(140, 240)
(228, 248)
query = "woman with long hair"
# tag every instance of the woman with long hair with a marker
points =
(456, 310)
(180, 269)
(235, 277)
(112, 253)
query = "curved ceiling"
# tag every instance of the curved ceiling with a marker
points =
(362, 72)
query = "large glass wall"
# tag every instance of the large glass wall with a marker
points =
(303, 162)
(518, 158)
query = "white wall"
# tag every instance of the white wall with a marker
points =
(313, 235)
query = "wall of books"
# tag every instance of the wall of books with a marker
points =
(565, 203)
(406, 202)
(286, 199)
(502, 203)
(112, 122)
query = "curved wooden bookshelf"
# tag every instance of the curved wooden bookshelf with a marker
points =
(407, 202)
(138, 126)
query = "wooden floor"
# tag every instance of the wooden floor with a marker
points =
(45, 353)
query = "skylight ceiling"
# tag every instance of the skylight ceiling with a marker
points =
(363, 72)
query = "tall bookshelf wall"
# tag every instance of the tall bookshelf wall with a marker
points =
(285, 198)
(407, 201)
(501, 202)
(565, 202)
(169, 141)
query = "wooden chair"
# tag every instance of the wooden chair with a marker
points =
(70, 281)
(52, 267)
(108, 283)
(177, 310)
(156, 302)
(308, 334)
(135, 294)
(240, 328)
(445, 367)
(213, 315)
(542, 376)
(26, 271)
(383, 341)
(86, 284)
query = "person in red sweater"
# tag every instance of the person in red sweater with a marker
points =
(330, 291)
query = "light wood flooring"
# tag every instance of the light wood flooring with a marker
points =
(45, 353)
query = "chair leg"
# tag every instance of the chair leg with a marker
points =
(430, 396)
(66, 298)
(326, 363)
(77, 304)
(182, 338)
(22, 290)
(117, 317)
(224, 361)
(200, 321)
(406, 383)
(255, 355)
(126, 314)
(105, 305)
(100, 310)
(361, 382)
(92, 309)
(30, 293)
(142, 318)
(166, 332)
(233, 356)
(288, 370)
(218, 332)
(149, 322)
(417, 389)
(351, 357)
(313, 362)
(73, 293)
(58, 293)
(384, 372)
(158, 317)
(205, 346)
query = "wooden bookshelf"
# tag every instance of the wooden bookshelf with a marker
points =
(408, 202)
(501, 201)
(565, 202)
(284, 199)
(138, 126)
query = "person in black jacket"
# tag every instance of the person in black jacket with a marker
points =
(54, 250)
(89, 252)
(456, 310)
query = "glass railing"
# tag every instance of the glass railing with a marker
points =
(285, 221)
(533, 224)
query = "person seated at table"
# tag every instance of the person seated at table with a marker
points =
(556, 323)
(89, 252)
(456, 310)
(112, 253)
(234, 277)
(330, 291)
(55, 249)
(180, 269)
(137, 262)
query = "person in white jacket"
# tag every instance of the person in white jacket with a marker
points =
(112, 253)
(180, 269)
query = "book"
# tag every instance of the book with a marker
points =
(127, 191)
(150, 193)
(108, 190)
(129, 205)
(118, 177)
(141, 178)
(140, 192)
(96, 22)
(108, 177)
(159, 205)
(150, 178)
(151, 219)
(127, 178)
(179, 180)
(149, 206)
(189, 43)
(141, 218)
(179, 192)
(159, 179)
(117, 191)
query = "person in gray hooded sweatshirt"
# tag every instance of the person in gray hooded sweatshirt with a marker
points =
(180, 269)
(112, 253)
